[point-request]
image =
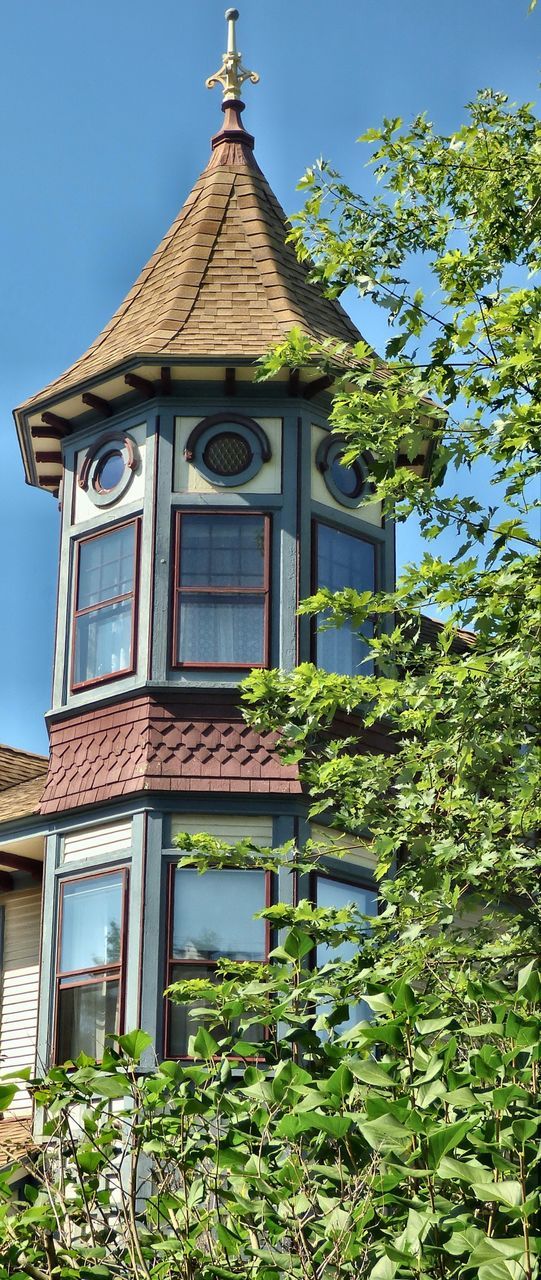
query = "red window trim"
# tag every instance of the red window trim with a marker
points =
(264, 590)
(77, 685)
(339, 528)
(171, 961)
(101, 973)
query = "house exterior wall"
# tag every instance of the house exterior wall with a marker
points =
(19, 984)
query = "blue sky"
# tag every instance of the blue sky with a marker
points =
(107, 123)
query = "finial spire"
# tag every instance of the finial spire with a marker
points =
(232, 74)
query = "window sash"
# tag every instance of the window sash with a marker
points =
(259, 593)
(188, 963)
(107, 974)
(324, 954)
(343, 641)
(98, 610)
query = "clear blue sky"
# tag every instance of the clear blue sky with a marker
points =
(106, 127)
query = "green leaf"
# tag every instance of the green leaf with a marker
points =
(445, 1139)
(203, 1045)
(505, 1192)
(134, 1043)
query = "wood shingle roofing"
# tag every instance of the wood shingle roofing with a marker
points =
(222, 283)
(19, 766)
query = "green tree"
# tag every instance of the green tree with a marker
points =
(407, 1145)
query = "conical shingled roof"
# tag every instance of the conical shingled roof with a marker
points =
(222, 283)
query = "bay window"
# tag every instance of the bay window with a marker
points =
(105, 605)
(221, 590)
(211, 917)
(343, 560)
(89, 963)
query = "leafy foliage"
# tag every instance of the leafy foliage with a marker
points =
(310, 1135)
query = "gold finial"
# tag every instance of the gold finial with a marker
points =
(232, 74)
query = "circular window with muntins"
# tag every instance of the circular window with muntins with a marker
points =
(346, 481)
(227, 450)
(227, 454)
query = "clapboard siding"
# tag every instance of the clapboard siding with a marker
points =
(19, 986)
(229, 829)
(93, 842)
(350, 850)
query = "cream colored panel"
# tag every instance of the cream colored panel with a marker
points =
(97, 842)
(84, 507)
(346, 846)
(19, 987)
(320, 493)
(187, 479)
(229, 829)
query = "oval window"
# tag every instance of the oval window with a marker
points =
(109, 471)
(348, 479)
(347, 482)
(227, 454)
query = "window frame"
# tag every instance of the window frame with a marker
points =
(98, 970)
(77, 685)
(171, 962)
(264, 591)
(352, 533)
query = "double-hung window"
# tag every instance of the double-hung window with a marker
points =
(330, 892)
(222, 590)
(343, 560)
(105, 605)
(211, 918)
(90, 960)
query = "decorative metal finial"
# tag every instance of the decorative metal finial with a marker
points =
(232, 74)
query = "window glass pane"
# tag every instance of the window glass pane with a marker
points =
(220, 551)
(213, 915)
(91, 922)
(106, 566)
(103, 641)
(334, 893)
(221, 628)
(86, 1015)
(343, 561)
(183, 1024)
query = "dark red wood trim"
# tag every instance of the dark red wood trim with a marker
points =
(143, 385)
(48, 433)
(165, 380)
(293, 384)
(17, 862)
(55, 420)
(172, 962)
(76, 686)
(312, 389)
(6, 882)
(262, 592)
(230, 386)
(49, 482)
(111, 972)
(98, 403)
(47, 455)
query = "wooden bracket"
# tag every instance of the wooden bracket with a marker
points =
(143, 385)
(98, 403)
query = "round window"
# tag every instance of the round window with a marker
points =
(348, 479)
(227, 449)
(347, 482)
(109, 468)
(227, 454)
(109, 471)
